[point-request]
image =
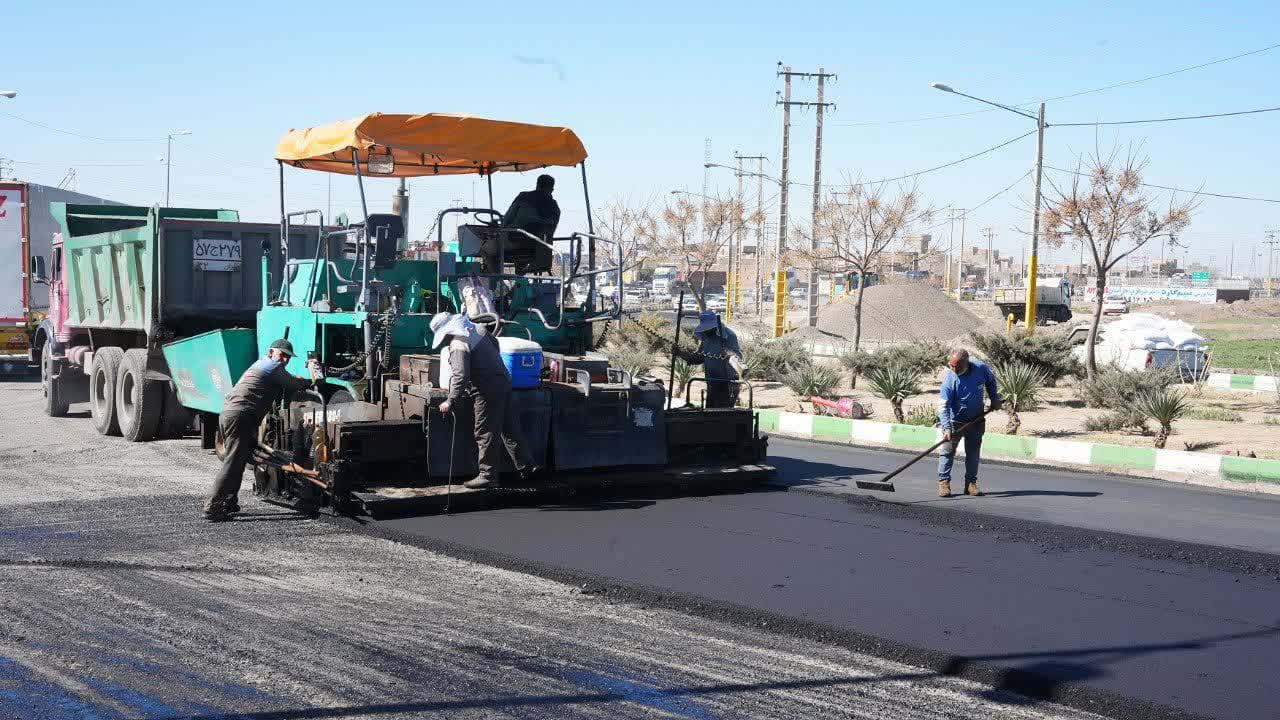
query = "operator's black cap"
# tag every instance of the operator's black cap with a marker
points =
(283, 346)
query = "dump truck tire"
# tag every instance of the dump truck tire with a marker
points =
(102, 389)
(139, 400)
(54, 404)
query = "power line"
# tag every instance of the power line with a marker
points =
(72, 133)
(980, 153)
(1167, 119)
(1177, 189)
(1069, 95)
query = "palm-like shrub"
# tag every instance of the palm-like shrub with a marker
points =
(1164, 407)
(1020, 385)
(1049, 352)
(895, 384)
(923, 415)
(812, 381)
(773, 359)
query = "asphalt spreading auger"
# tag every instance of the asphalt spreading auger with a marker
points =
(359, 299)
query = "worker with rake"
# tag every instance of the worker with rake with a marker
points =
(961, 414)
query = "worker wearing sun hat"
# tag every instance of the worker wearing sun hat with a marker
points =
(721, 359)
(476, 373)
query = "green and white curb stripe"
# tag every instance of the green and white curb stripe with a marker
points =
(1174, 465)
(1243, 383)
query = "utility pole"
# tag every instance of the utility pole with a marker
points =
(964, 216)
(1032, 267)
(990, 232)
(735, 277)
(780, 268)
(817, 197)
(759, 229)
(1270, 242)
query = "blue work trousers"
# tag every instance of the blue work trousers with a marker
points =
(972, 436)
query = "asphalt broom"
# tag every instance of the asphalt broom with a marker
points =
(883, 485)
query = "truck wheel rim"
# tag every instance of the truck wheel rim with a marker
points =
(126, 395)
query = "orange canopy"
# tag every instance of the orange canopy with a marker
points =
(431, 144)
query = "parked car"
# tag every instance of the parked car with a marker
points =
(717, 303)
(690, 303)
(1114, 305)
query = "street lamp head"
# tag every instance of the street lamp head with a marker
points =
(176, 133)
(941, 86)
(8, 93)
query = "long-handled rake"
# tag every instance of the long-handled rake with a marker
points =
(884, 485)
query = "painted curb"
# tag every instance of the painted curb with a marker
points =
(1242, 383)
(1220, 471)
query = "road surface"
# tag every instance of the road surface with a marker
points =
(117, 601)
(1176, 604)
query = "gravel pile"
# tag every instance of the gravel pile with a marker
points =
(900, 312)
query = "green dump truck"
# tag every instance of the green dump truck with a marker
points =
(123, 281)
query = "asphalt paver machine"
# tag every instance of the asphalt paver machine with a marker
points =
(371, 436)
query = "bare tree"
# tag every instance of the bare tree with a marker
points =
(626, 221)
(856, 228)
(1106, 208)
(694, 236)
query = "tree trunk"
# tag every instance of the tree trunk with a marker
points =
(1162, 437)
(1014, 421)
(857, 324)
(857, 313)
(897, 412)
(1090, 353)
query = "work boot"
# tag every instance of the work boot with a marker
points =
(971, 488)
(529, 473)
(481, 482)
(218, 509)
(944, 488)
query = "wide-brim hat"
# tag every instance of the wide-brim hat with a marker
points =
(707, 321)
(444, 324)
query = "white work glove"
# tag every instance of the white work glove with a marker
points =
(735, 362)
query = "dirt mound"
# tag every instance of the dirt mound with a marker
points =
(900, 313)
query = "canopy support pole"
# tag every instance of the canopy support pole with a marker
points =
(371, 360)
(591, 246)
(489, 178)
(284, 242)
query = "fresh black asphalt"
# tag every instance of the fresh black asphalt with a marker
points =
(1127, 597)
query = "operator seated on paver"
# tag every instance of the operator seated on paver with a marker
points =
(242, 411)
(476, 373)
(720, 357)
(537, 213)
(960, 401)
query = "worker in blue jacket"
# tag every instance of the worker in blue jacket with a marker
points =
(960, 400)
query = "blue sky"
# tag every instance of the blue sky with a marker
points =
(645, 85)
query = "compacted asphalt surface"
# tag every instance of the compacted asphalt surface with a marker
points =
(117, 602)
(1089, 589)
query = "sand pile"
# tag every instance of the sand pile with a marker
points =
(900, 312)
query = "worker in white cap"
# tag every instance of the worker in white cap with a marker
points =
(721, 359)
(476, 373)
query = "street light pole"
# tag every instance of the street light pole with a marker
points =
(1032, 266)
(168, 162)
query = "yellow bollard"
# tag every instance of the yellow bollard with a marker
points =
(779, 303)
(1008, 325)
(729, 299)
